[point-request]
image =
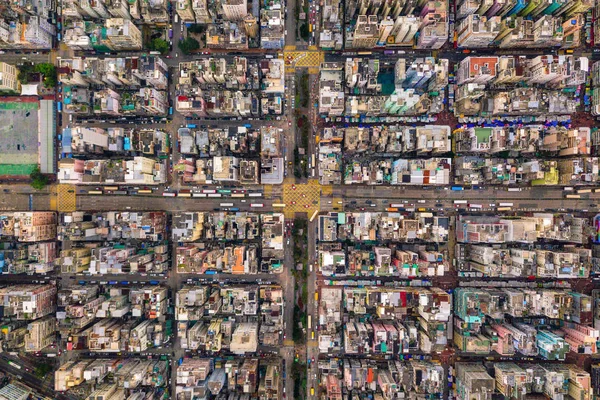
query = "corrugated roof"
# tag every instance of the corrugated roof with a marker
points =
(46, 137)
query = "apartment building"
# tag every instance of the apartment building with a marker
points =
(123, 35)
(28, 301)
(8, 78)
(40, 334)
(28, 226)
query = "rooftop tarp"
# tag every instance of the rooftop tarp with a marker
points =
(29, 90)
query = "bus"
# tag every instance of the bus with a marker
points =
(503, 209)
(168, 194)
(573, 196)
(111, 188)
(145, 191)
(364, 53)
(184, 194)
(505, 205)
(391, 209)
(312, 163)
(59, 106)
(457, 188)
(170, 110)
(209, 191)
(214, 195)
(199, 195)
(396, 205)
(226, 205)
(514, 189)
(475, 206)
(316, 296)
(568, 189)
(314, 215)
(582, 191)
(14, 364)
(170, 33)
(460, 202)
(309, 322)
(281, 205)
(254, 194)
(95, 192)
(257, 205)
(238, 195)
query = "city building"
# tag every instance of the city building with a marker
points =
(8, 79)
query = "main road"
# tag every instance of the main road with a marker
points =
(353, 199)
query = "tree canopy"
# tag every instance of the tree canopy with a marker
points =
(160, 45)
(304, 33)
(188, 45)
(196, 28)
(50, 74)
(38, 180)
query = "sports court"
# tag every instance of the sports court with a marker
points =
(19, 132)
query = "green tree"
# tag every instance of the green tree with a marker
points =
(188, 45)
(160, 45)
(38, 180)
(197, 28)
(24, 71)
(304, 33)
(41, 370)
(50, 74)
